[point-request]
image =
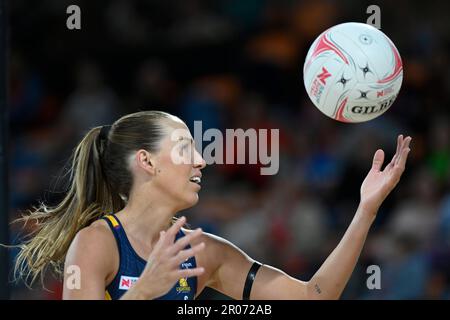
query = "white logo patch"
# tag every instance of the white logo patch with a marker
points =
(127, 282)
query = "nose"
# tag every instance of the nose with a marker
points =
(199, 162)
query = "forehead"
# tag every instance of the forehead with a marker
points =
(177, 130)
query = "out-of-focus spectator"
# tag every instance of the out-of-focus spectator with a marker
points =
(92, 103)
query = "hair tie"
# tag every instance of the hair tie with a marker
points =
(104, 132)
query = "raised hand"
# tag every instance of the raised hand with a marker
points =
(379, 183)
(163, 266)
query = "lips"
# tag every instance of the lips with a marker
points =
(196, 179)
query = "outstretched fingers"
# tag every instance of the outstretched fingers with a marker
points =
(378, 160)
(183, 255)
(397, 153)
(181, 243)
(186, 273)
(164, 266)
(174, 229)
(401, 161)
(399, 144)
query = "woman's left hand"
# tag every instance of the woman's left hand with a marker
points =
(379, 183)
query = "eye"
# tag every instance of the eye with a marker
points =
(184, 148)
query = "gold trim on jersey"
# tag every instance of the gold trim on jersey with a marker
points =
(113, 220)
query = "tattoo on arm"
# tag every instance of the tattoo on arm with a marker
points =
(318, 289)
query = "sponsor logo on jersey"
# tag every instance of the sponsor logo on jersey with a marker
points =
(127, 282)
(183, 285)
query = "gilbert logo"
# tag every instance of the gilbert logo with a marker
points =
(127, 282)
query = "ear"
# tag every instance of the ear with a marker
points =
(146, 161)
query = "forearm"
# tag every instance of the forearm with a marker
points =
(330, 280)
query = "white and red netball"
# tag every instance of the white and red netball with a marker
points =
(353, 72)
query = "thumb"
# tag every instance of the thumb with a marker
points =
(378, 160)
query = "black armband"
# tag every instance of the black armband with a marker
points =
(249, 281)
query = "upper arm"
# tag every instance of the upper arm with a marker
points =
(89, 263)
(233, 267)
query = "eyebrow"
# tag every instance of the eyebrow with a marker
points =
(186, 138)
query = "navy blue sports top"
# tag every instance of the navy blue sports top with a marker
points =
(131, 266)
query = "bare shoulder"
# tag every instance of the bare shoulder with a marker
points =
(94, 252)
(93, 245)
(96, 235)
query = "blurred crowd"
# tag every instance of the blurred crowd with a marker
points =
(238, 64)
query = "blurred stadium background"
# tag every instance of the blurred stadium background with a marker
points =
(238, 64)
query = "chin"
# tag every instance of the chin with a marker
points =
(190, 202)
(193, 201)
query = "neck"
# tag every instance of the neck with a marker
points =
(144, 218)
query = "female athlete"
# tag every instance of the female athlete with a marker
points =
(115, 234)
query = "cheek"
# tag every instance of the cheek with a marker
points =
(175, 176)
